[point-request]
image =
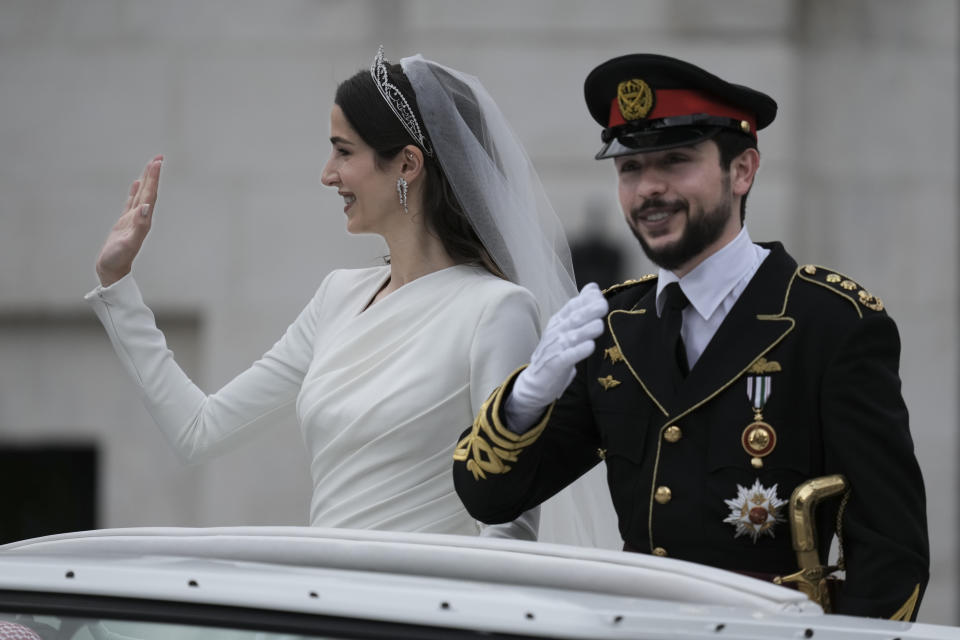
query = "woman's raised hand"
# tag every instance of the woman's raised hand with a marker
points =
(125, 239)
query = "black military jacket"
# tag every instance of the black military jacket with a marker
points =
(683, 471)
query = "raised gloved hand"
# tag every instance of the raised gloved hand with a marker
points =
(568, 339)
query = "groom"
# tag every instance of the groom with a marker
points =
(715, 388)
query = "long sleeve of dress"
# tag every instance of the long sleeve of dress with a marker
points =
(197, 424)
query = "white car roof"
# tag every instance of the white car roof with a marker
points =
(493, 585)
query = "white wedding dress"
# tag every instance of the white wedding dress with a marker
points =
(382, 393)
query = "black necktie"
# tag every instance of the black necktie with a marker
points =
(671, 320)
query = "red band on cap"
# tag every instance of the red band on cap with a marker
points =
(684, 102)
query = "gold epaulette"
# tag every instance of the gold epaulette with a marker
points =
(623, 286)
(841, 285)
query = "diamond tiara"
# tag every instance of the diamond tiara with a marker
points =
(397, 103)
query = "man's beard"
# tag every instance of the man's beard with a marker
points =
(698, 234)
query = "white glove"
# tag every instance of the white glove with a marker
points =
(568, 339)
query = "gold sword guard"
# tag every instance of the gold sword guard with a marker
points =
(811, 579)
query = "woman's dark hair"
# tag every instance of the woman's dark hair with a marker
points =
(731, 144)
(375, 123)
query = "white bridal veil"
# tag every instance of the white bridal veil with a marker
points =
(503, 198)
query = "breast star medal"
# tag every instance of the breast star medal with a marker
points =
(759, 438)
(755, 511)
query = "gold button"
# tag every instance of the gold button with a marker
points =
(660, 551)
(663, 495)
(672, 434)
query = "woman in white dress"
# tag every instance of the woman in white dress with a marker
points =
(386, 365)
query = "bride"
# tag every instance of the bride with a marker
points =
(385, 365)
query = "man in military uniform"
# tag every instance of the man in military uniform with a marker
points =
(714, 389)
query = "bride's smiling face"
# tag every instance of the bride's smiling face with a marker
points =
(369, 192)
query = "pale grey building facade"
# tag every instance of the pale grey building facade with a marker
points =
(859, 173)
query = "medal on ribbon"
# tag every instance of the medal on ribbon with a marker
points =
(759, 438)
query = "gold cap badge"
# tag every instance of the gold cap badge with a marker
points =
(635, 98)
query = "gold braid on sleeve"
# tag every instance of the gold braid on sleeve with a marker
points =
(905, 612)
(491, 445)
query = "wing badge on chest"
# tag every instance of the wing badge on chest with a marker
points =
(608, 382)
(614, 355)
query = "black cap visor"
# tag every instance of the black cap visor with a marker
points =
(665, 133)
(655, 140)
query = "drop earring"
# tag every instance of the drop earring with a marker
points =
(402, 192)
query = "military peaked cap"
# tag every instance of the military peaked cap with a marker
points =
(649, 102)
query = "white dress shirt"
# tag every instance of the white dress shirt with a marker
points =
(712, 289)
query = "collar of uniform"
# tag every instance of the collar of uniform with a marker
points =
(713, 279)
